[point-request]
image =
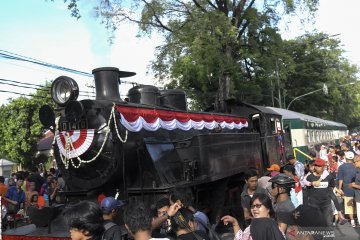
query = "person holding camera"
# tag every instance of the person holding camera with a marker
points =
(161, 224)
(138, 222)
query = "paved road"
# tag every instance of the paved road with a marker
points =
(346, 232)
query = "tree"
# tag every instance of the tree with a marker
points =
(220, 49)
(20, 128)
(314, 60)
(210, 46)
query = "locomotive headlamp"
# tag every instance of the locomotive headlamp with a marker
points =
(63, 90)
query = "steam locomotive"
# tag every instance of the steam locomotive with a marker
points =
(151, 142)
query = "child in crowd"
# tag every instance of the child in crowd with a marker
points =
(34, 201)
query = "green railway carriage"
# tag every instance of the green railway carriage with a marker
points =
(307, 133)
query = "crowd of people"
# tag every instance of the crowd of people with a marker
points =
(318, 194)
(33, 188)
(174, 217)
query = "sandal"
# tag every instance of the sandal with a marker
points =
(342, 221)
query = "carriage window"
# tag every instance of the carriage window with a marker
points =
(256, 122)
(278, 125)
(316, 136)
(272, 125)
(287, 128)
(308, 134)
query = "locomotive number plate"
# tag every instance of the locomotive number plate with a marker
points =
(66, 126)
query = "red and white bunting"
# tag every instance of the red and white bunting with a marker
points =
(78, 142)
(135, 119)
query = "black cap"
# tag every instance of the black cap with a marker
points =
(311, 162)
(289, 157)
(303, 216)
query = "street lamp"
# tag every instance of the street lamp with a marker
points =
(281, 105)
(324, 89)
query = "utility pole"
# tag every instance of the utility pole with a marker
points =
(272, 92)
(278, 83)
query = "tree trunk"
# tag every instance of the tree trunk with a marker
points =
(223, 93)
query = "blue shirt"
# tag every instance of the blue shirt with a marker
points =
(14, 195)
(299, 169)
(357, 181)
(347, 172)
(202, 220)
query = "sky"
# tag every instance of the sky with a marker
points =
(44, 30)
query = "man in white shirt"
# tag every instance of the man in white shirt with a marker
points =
(299, 167)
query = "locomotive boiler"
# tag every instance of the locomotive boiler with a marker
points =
(149, 143)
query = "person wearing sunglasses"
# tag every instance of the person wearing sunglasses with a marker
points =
(263, 226)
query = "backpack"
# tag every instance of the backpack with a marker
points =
(210, 230)
(107, 226)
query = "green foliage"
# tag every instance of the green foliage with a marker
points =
(216, 50)
(317, 59)
(212, 49)
(20, 128)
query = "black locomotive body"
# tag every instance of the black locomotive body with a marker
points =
(151, 143)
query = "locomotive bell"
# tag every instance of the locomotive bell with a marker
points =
(107, 81)
(74, 111)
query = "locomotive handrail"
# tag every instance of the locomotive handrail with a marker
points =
(301, 152)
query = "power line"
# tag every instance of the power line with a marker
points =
(35, 69)
(23, 94)
(40, 87)
(13, 81)
(37, 87)
(14, 56)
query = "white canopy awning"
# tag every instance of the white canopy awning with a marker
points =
(4, 162)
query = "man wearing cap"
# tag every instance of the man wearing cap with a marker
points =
(299, 167)
(272, 171)
(346, 175)
(110, 207)
(307, 218)
(320, 192)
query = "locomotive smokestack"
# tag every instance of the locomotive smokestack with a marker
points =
(107, 80)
